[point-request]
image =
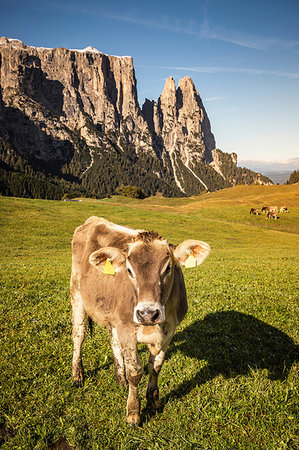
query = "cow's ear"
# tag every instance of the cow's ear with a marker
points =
(191, 253)
(108, 260)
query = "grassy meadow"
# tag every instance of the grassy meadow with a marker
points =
(230, 378)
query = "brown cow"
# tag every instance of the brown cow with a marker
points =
(265, 209)
(272, 215)
(131, 282)
(254, 211)
(284, 209)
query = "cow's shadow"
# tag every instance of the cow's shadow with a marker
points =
(231, 344)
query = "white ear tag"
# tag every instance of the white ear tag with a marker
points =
(108, 268)
(190, 261)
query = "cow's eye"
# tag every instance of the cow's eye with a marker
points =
(167, 270)
(130, 273)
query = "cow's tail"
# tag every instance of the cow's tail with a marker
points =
(90, 326)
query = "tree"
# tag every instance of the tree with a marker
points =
(294, 177)
(130, 191)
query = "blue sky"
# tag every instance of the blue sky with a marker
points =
(243, 57)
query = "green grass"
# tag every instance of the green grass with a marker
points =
(230, 379)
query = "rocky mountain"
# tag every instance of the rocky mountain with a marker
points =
(70, 122)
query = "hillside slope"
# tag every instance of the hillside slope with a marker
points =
(225, 206)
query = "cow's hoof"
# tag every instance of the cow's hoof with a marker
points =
(153, 404)
(152, 397)
(78, 381)
(133, 419)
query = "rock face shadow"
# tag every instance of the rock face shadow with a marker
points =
(233, 343)
(42, 150)
(36, 85)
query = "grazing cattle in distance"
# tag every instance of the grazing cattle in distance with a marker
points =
(273, 209)
(131, 282)
(272, 215)
(254, 211)
(284, 209)
(265, 209)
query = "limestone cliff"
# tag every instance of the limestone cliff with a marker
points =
(66, 88)
(182, 127)
(74, 114)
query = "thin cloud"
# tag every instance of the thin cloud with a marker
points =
(241, 38)
(176, 25)
(212, 99)
(203, 30)
(242, 70)
(244, 39)
(206, 31)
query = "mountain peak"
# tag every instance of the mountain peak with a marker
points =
(186, 82)
(169, 87)
(74, 114)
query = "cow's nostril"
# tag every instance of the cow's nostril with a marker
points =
(156, 315)
(140, 315)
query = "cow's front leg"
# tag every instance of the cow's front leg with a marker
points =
(134, 370)
(155, 363)
(152, 392)
(119, 363)
(78, 331)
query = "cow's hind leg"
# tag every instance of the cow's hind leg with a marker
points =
(78, 332)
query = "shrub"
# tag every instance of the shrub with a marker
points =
(130, 191)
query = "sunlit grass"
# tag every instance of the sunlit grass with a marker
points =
(230, 377)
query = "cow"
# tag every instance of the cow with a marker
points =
(272, 215)
(254, 211)
(284, 209)
(273, 209)
(265, 209)
(130, 281)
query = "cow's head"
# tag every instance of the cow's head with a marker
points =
(150, 264)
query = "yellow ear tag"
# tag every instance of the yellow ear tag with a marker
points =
(190, 261)
(108, 268)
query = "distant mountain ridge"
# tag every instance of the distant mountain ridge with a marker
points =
(278, 171)
(272, 165)
(70, 122)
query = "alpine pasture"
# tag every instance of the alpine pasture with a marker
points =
(230, 378)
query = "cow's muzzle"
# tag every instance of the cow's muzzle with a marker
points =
(148, 314)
